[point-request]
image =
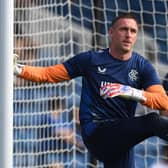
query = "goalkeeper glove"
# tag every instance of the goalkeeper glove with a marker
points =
(110, 90)
(17, 68)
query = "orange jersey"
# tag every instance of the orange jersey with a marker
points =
(156, 97)
(52, 74)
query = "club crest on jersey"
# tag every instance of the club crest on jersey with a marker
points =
(101, 70)
(133, 75)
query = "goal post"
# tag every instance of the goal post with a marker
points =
(50, 32)
(6, 84)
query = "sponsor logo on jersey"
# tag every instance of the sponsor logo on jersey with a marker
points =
(101, 70)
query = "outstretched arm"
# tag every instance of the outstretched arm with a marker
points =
(53, 74)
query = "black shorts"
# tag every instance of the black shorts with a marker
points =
(112, 142)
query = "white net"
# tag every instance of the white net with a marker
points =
(46, 128)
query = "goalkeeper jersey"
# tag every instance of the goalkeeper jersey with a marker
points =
(97, 68)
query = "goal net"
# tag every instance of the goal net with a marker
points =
(46, 32)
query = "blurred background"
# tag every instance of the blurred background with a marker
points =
(46, 32)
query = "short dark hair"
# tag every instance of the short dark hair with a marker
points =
(124, 15)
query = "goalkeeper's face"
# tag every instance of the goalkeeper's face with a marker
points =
(123, 35)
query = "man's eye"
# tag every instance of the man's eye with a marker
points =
(133, 31)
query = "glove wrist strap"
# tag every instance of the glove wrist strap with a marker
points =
(138, 95)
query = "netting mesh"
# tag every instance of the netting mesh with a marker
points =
(46, 32)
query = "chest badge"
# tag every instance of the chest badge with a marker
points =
(133, 75)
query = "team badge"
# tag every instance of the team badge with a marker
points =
(133, 75)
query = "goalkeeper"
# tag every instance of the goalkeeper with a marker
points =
(114, 81)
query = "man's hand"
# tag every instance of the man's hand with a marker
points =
(17, 68)
(110, 90)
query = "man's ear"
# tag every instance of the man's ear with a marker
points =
(110, 32)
